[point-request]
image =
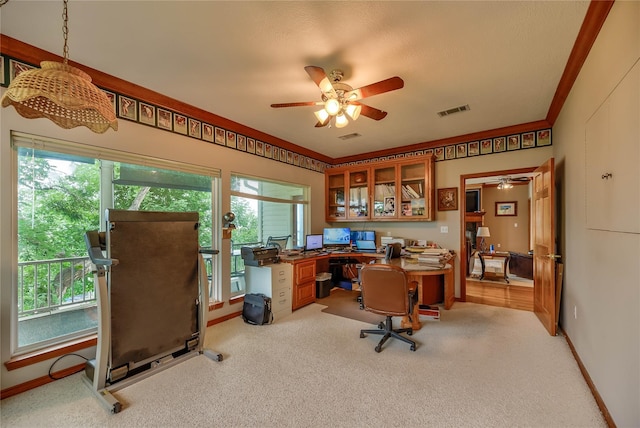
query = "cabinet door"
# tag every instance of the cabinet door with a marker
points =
(358, 199)
(412, 189)
(336, 197)
(384, 192)
(612, 158)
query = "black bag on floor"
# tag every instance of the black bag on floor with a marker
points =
(257, 309)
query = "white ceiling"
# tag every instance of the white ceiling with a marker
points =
(502, 58)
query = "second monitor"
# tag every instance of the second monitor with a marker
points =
(336, 236)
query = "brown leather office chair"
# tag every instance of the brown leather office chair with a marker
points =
(386, 290)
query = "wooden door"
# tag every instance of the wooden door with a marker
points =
(544, 246)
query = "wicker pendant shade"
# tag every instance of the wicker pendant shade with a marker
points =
(61, 93)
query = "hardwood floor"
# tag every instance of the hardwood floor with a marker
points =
(501, 294)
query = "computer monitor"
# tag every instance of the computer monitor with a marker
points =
(336, 236)
(363, 235)
(313, 242)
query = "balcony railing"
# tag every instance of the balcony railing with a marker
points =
(45, 286)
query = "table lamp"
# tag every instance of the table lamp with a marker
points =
(483, 232)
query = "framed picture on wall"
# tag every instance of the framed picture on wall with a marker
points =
(448, 199)
(506, 208)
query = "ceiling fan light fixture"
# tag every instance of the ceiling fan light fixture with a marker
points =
(354, 111)
(341, 121)
(332, 106)
(322, 115)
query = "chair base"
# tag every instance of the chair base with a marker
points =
(386, 330)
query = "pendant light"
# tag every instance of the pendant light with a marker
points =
(62, 93)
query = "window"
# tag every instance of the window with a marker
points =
(264, 208)
(63, 190)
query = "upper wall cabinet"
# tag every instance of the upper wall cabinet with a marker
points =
(612, 141)
(397, 190)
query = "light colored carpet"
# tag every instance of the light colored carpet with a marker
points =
(480, 366)
(344, 304)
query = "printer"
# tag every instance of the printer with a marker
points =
(384, 240)
(259, 256)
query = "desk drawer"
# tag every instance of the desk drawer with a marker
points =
(305, 272)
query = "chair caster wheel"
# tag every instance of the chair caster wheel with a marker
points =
(410, 333)
(381, 326)
(413, 348)
(378, 348)
(361, 335)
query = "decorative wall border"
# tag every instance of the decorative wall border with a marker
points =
(144, 113)
(505, 143)
(168, 120)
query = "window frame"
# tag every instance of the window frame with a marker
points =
(24, 140)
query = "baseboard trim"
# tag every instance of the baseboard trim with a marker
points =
(23, 387)
(599, 401)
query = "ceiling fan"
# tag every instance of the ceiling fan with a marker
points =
(340, 100)
(508, 182)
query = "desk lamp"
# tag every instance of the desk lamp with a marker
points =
(483, 232)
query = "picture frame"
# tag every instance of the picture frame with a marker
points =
(486, 147)
(251, 145)
(461, 150)
(259, 148)
(207, 132)
(448, 199)
(17, 67)
(474, 148)
(450, 152)
(513, 142)
(439, 153)
(112, 99)
(221, 136)
(146, 114)
(242, 142)
(499, 144)
(506, 209)
(180, 123)
(165, 119)
(127, 108)
(195, 128)
(528, 140)
(543, 137)
(231, 139)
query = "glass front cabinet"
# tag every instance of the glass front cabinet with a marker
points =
(395, 190)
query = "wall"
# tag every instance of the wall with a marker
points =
(602, 275)
(508, 233)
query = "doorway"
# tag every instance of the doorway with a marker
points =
(493, 289)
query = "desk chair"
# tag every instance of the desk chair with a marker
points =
(387, 291)
(280, 242)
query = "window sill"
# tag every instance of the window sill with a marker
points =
(24, 360)
(236, 299)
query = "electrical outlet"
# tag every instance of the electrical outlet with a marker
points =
(575, 312)
(498, 245)
(515, 224)
(444, 229)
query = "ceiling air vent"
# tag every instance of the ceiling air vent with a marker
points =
(349, 136)
(444, 113)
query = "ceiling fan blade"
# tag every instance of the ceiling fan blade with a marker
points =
(301, 104)
(320, 78)
(390, 84)
(370, 112)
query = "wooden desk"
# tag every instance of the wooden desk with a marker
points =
(416, 272)
(505, 256)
